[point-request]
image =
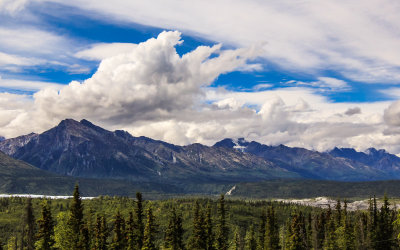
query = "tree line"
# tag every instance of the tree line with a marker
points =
(330, 228)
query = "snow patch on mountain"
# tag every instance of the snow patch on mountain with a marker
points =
(231, 190)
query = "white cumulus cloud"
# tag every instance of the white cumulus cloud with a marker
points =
(150, 90)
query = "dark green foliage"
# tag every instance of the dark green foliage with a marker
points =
(261, 230)
(222, 232)
(296, 236)
(237, 240)
(318, 234)
(271, 230)
(338, 213)
(385, 226)
(75, 222)
(251, 242)
(139, 232)
(198, 239)
(150, 231)
(174, 234)
(300, 188)
(45, 234)
(28, 232)
(119, 240)
(306, 228)
(130, 232)
(373, 236)
(309, 236)
(361, 238)
(330, 235)
(100, 241)
(348, 230)
(208, 227)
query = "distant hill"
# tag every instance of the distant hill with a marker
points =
(298, 189)
(17, 177)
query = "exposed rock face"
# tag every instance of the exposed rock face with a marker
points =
(10, 146)
(310, 164)
(83, 149)
(378, 159)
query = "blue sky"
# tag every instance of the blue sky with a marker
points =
(85, 28)
(325, 58)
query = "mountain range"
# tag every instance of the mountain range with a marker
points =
(84, 150)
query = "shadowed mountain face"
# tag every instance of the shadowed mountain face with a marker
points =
(378, 159)
(83, 149)
(314, 165)
(10, 167)
(86, 150)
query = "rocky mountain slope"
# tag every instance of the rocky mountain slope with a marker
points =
(18, 177)
(378, 159)
(83, 149)
(310, 164)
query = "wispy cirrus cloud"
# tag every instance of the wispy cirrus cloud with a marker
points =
(324, 84)
(357, 39)
(24, 85)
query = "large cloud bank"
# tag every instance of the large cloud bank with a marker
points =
(148, 89)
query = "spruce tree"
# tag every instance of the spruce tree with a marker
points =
(45, 234)
(29, 230)
(261, 230)
(251, 242)
(361, 239)
(84, 240)
(91, 227)
(349, 237)
(330, 235)
(309, 232)
(118, 242)
(237, 241)
(338, 213)
(222, 232)
(130, 232)
(100, 241)
(295, 235)
(139, 221)
(198, 238)
(271, 231)
(173, 238)
(319, 230)
(209, 229)
(149, 231)
(385, 226)
(373, 236)
(75, 222)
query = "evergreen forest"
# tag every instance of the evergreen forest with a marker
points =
(192, 223)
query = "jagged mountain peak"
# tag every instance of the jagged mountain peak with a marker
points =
(71, 127)
(226, 143)
(376, 152)
(232, 143)
(84, 149)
